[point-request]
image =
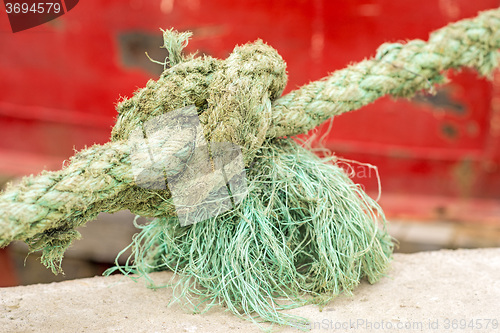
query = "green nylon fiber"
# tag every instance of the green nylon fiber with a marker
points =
(305, 227)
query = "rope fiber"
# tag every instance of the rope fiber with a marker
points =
(304, 228)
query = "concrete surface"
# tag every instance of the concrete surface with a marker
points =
(443, 291)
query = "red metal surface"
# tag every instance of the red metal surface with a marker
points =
(8, 276)
(60, 81)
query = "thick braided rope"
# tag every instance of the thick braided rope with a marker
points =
(237, 102)
(399, 70)
(44, 210)
(59, 200)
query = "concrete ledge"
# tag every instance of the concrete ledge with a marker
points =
(429, 291)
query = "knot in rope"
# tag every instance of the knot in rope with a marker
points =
(233, 96)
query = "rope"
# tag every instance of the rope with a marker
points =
(237, 100)
(399, 70)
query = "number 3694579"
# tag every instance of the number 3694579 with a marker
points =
(36, 8)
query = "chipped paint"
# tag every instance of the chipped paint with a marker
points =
(369, 10)
(449, 131)
(450, 8)
(318, 32)
(465, 176)
(442, 100)
(166, 6)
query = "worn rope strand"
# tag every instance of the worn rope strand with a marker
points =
(472, 43)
